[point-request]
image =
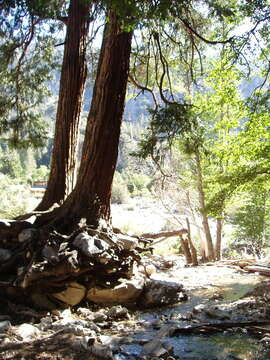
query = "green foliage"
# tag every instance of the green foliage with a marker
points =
(140, 13)
(40, 174)
(167, 124)
(138, 184)
(27, 61)
(128, 184)
(21, 165)
(221, 112)
(10, 164)
(252, 221)
(246, 152)
(23, 88)
(13, 197)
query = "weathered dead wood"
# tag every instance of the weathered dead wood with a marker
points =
(164, 234)
(258, 330)
(248, 265)
(186, 249)
(208, 328)
(263, 270)
(144, 241)
(238, 262)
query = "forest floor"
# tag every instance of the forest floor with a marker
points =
(217, 294)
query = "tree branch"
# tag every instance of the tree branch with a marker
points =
(143, 88)
(207, 41)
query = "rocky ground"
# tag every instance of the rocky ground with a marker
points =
(221, 299)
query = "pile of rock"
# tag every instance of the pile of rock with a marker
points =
(49, 270)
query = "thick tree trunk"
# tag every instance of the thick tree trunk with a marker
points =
(73, 75)
(209, 243)
(218, 238)
(91, 196)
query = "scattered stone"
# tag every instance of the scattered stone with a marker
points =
(118, 312)
(45, 323)
(78, 326)
(79, 330)
(84, 312)
(216, 296)
(89, 315)
(99, 316)
(66, 314)
(99, 351)
(60, 324)
(4, 326)
(113, 342)
(73, 295)
(27, 331)
(217, 313)
(157, 348)
(94, 350)
(82, 343)
(199, 308)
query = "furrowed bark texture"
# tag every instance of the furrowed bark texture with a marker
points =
(91, 196)
(73, 75)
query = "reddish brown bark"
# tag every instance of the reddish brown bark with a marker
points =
(91, 196)
(73, 75)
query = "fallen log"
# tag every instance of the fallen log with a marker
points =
(164, 234)
(238, 262)
(261, 269)
(209, 328)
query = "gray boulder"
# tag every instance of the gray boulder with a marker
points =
(160, 293)
(90, 245)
